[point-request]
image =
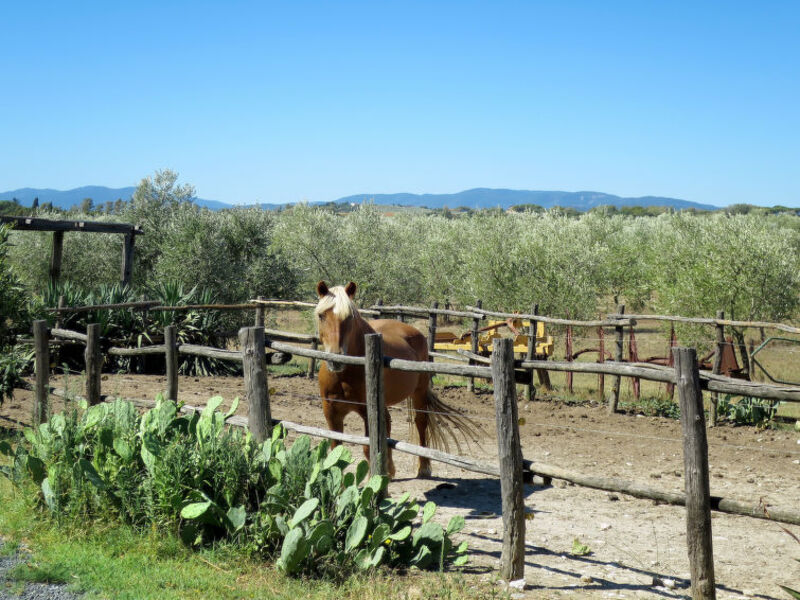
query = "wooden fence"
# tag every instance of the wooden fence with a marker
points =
(503, 370)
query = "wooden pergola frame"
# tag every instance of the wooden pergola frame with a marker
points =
(59, 227)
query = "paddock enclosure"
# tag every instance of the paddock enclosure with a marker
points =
(638, 547)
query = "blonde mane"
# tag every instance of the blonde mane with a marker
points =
(338, 300)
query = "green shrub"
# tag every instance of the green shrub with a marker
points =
(748, 411)
(13, 309)
(190, 473)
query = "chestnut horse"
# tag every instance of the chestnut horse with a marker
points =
(341, 330)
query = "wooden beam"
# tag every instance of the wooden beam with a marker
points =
(376, 408)
(619, 331)
(695, 462)
(94, 363)
(127, 259)
(56, 254)
(171, 357)
(36, 224)
(708, 321)
(512, 562)
(259, 415)
(554, 320)
(42, 364)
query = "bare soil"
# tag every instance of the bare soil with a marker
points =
(637, 548)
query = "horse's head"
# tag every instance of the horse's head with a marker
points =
(335, 314)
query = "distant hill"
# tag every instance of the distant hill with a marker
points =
(475, 199)
(492, 198)
(99, 194)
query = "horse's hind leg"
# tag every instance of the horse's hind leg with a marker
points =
(421, 420)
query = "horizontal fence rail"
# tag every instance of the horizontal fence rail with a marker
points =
(645, 371)
(623, 321)
(708, 321)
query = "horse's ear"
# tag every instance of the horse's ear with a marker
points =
(350, 288)
(322, 289)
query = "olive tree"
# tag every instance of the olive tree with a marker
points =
(152, 206)
(746, 265)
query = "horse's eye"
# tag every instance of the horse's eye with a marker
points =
(322, 317)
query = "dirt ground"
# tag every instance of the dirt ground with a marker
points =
(637, 548)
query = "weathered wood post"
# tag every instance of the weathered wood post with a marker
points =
(59, 317)
(512, 565)
(601, 351)
(474, 339)
(633, 356)
(568, 356)
(432, 321)
(712, 411)
(171, 358)
(530, 389)
(376, 408)
(260, 313)
(41, 338)
(60, 311)
(254, 365)
(127, 258)
(56, 255)
(94, 363)
(312, 362)
(613, 400)
(695, 466)
(673, 343)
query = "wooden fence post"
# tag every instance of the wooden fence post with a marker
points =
(695, 466)
(613, 400)
(60, 311)
(94, 363)
(376, 408)
(512, 565)
(260, 313)
(127, 258)
(171, 358)
(712, 410)
(55, 256)
(673, 343)
(474, 338)
(601, 379)
(530, 389)
(432, 319)
(312, 362)
(568, 356)
(42, 349)
(254, 365)
(633, 356)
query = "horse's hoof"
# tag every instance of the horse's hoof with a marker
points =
(424, 473)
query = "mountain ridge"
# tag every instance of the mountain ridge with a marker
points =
(475, 198)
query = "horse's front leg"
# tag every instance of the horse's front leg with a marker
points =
(334, 416)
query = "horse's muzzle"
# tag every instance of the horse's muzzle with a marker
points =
(335, 367)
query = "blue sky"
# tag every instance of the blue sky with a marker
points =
(281, 102)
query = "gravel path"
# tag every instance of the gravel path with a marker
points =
(14, 590)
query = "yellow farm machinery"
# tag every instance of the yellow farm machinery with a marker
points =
(518, 328)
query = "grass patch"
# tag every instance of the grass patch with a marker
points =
(290, 369)
(653, 407)
(116, 561)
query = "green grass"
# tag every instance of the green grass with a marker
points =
(290, 369)
(116, 561)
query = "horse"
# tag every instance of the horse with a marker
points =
(341, 330)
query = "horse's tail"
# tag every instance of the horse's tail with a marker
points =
(443, 421)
